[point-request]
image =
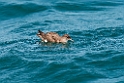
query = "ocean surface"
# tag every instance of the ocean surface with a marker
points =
(95, 56)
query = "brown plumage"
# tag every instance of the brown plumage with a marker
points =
(53, 37)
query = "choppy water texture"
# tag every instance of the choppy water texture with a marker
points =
(95, 56)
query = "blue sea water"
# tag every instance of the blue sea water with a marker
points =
(95, 56)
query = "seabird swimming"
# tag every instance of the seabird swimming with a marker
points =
(53, 37)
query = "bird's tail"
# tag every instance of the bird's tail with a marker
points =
(40, 32)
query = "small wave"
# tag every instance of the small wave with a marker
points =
(76, 7)
(18, 10)
(84, 6)
(111, 80)
(107, 3)
(110, 31)
(99, 40)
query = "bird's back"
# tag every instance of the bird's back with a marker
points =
(52, 36)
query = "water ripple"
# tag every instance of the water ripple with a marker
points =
(96, 55)
(84, 6)
(17, 10)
